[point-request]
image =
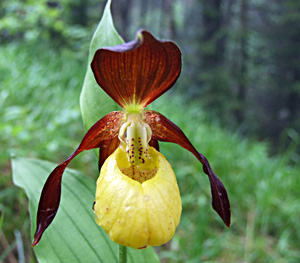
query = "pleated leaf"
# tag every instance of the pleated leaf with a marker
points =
(94, 102)
(73, 236)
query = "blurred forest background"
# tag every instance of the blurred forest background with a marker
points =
(240, 84)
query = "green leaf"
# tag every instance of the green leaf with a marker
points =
(73, 235)
(94, 102)
(1, 222)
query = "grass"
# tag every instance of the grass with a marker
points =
(40, 117)
(263, 192)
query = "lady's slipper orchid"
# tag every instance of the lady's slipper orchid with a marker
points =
(137, 198)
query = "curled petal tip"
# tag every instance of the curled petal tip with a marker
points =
(225, 218)
(36, 240)
(38, 234)
(220, 201)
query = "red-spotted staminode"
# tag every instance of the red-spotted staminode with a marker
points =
(137, 198)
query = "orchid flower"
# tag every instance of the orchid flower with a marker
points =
(137, 197)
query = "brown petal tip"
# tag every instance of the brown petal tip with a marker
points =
(37, 238)
(44, 220)
(220, 201)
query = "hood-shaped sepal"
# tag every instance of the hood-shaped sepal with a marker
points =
(136, 73)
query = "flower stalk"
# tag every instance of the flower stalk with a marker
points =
(122, 254)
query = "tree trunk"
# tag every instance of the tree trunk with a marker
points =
(242, 79)
(212, 35)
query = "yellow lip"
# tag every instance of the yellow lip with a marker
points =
(138, 213)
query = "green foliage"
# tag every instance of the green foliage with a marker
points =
(73, 236)
(1, 222)
(94, 102)
(241, 58)
(30, 96)
(40, 117)
(32, 20)
(263, 191)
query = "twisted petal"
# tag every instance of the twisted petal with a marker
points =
(138, 72)
(165, 130)
(104, 129)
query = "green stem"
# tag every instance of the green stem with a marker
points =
(122, 254)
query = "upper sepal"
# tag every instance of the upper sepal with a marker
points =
(138, 72)
(165, 130)
(103, 130)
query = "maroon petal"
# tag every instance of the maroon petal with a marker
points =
(106, 149)
(165, 130)
(137, 72)
(104, 129)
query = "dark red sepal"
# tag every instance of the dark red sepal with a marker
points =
(165, 130)
(104, 129)
(137, 72)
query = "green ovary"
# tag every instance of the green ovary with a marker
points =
(138, 212)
